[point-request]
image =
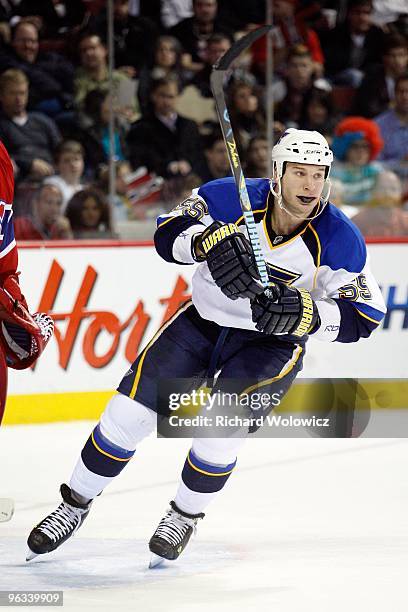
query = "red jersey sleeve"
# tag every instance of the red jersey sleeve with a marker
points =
(8, 249)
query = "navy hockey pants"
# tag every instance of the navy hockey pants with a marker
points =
(183, 348)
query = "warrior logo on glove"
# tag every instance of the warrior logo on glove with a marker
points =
(287, 311)
(230, 259)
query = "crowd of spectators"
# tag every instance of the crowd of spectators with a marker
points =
(339, 66)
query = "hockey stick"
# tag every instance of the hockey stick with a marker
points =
(217, 86)
(6, 509)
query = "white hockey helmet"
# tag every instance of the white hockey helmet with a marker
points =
(303, 147)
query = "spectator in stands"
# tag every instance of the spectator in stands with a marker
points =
(162, 140)
(121, 206)
(69, 160)
(166, 62)
(134, 35)
(382, 221)
(247, 116)
(174, 11)
(95, 135)
(356, 145)
(30, 137)
(236, 16)
(290, 29)
(257, 158)
(58, 17)
(217, 45)
(377, 89)
(388, 190)
(93, 74)
(317, 112)
(50, 75)
(194, 32)
(353, 46)
(89, 215)
(46, 221)
(216, 158)
(289, 93)
(393, 126)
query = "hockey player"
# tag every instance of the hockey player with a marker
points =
(23, 336)
(322, 285)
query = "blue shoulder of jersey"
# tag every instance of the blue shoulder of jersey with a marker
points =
(341, 242)
(222, 198)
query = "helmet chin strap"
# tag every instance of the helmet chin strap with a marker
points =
(279, 198)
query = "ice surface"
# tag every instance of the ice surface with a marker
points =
(302, 525)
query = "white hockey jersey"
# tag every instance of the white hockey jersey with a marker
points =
(326, 256)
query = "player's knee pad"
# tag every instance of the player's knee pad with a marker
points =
(126, 422)
(219, 451)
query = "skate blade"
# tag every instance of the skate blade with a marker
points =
(6, 509)
(30, 555)
(155, 561)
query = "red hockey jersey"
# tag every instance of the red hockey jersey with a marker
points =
(8, 249)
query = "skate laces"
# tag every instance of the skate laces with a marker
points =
(61, 522)
(173, 527)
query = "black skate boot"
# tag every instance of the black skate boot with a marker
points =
(172, 534)
(58, 526)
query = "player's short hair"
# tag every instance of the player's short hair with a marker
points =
(12, 76)
(69, 146)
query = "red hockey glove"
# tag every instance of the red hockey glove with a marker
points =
(22, 336)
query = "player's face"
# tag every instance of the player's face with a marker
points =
(302, 186)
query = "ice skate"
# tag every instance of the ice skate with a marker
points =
(172, 535)
(58, 526)
(6, 509)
